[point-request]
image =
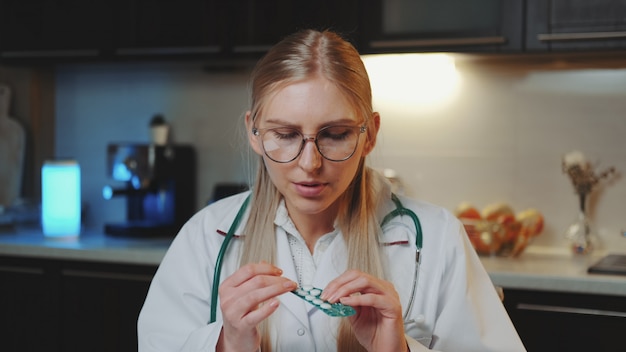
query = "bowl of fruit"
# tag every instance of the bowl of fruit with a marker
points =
(497, 230)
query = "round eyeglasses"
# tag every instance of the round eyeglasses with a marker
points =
(285, 144)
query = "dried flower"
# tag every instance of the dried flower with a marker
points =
(581, 172)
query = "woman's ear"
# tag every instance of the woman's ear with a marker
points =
(252, 139)
(372, 133)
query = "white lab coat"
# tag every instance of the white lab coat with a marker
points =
(456, 307)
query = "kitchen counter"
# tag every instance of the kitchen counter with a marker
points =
(539, 268)
(553, 269)
(89, 246)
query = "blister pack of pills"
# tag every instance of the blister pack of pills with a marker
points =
(311, 295)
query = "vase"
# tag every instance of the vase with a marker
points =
(580, 233)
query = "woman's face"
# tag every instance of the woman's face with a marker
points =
(310, 184)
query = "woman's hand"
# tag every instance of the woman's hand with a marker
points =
(247, 297)
(378, 324)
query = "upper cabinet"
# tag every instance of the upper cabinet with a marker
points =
(559, 25)
(442, 25)
(257, 25)
(168, 28)
(124, 29)
(47, 30)
(32, 29)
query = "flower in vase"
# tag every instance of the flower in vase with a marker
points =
(582, 173)
(584, 178)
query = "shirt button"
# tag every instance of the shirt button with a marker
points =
(420, 319)
(300, 332)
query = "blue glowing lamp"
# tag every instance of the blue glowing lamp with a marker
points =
(60, 198)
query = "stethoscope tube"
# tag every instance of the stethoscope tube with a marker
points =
(219, 262)
(399, 211)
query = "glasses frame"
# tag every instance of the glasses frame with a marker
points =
(305, 138)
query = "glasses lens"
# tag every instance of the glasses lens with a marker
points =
(337, 142)
(282, 144)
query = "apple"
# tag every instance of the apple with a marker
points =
(531, 221)
(466, 210)
(485, 236)
(492, 211)
(510, 225)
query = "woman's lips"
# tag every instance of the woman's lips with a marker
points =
(309, 189)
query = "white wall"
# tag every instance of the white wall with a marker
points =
(500, 138)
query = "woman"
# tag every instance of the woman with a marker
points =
(314, 219)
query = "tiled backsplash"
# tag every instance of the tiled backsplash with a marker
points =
(500, 139)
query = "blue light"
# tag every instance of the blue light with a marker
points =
(60, 198)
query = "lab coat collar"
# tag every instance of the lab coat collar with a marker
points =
(231, 206)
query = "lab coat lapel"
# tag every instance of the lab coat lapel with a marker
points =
(289, 301)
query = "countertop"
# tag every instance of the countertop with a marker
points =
(539, 268)
(89, 246)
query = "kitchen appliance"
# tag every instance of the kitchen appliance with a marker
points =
(159, 187)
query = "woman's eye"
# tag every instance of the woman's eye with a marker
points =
(285, 134)
(335, 133)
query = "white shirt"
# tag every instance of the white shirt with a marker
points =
(304, 261)
(456, 307)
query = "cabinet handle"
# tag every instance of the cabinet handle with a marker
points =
(243, 49)
(553, 37)
(420, 43)
(21, 270)
(49, 53)
(168, 50)
(570, 310)
(106, 275)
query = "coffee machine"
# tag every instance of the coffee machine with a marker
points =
(158, 184)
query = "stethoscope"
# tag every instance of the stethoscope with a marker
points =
(398, 211)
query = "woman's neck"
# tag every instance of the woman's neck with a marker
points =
(312, 227)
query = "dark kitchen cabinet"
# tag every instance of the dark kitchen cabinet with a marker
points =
(128, 29)
(442, 25)
(257, 25)
(57, 305)
(42, 29)
(29, 296)
(560, 25)
(562, 321)
(169, 28)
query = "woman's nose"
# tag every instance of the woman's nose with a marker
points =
(310, 159)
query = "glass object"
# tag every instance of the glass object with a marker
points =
(581, 232)
(335, 143)
(60, 198)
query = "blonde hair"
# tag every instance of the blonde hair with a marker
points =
(303, 55)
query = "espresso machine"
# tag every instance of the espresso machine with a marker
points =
(158, 184)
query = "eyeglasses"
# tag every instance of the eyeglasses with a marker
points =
(285, 144)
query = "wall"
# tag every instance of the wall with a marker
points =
(500, 138)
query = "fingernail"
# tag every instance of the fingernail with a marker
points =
(290, 284)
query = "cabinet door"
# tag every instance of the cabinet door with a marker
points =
(257, 25)
(53, 29)
(556, 321)
(576, 24)
(169, 28)
(100, 305)
(28, 305)
(442, 25)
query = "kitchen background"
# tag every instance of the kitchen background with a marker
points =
(493, 129)
(460, 127)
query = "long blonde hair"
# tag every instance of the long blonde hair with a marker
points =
(297, 57)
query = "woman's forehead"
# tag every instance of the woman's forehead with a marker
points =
(312, 99)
